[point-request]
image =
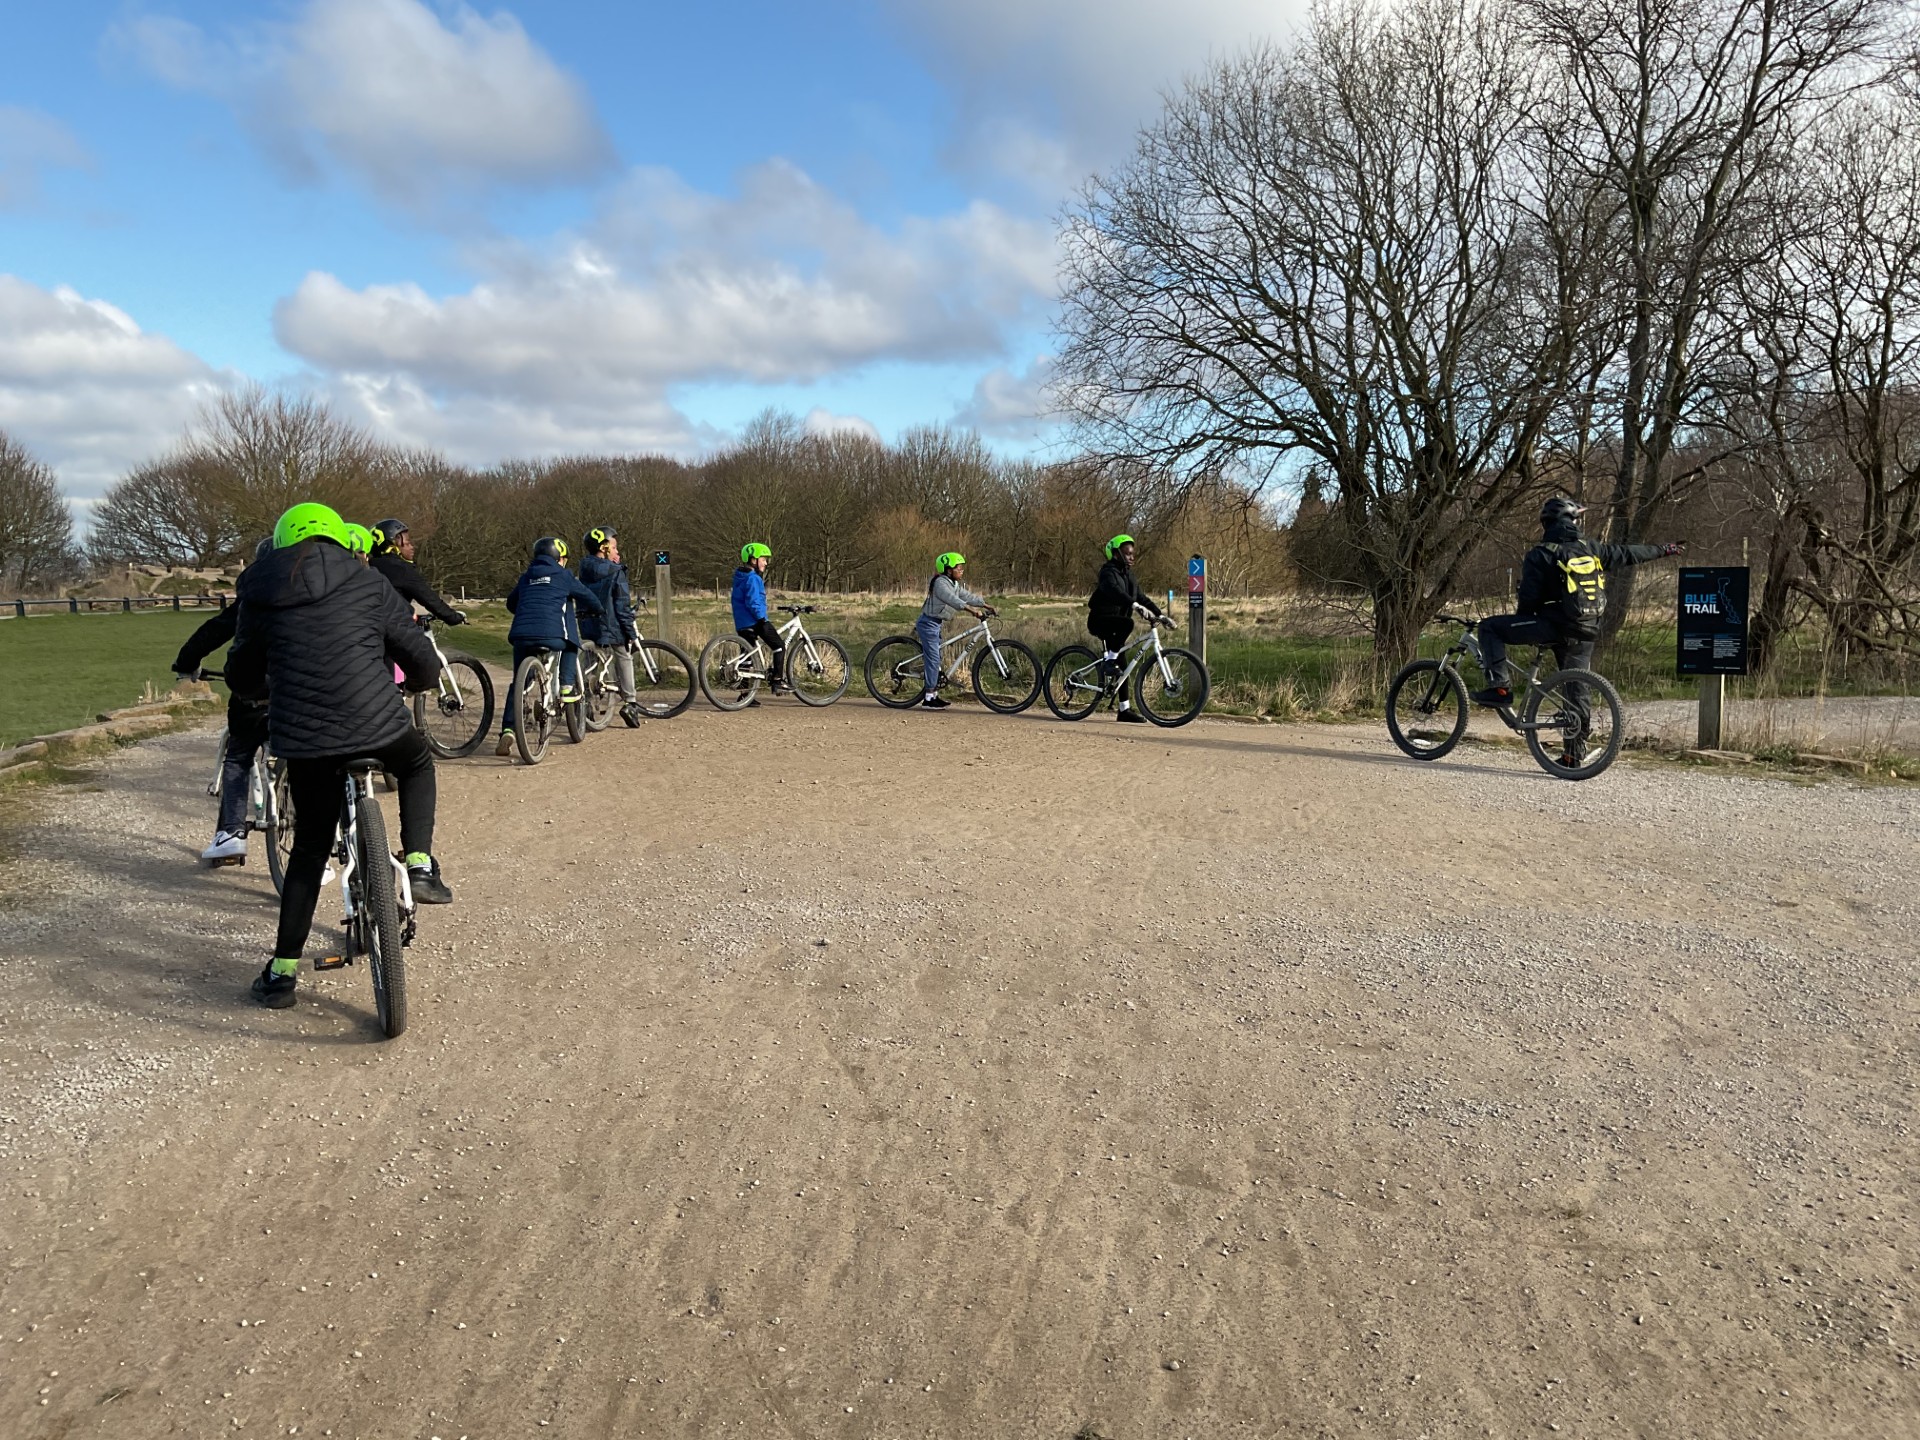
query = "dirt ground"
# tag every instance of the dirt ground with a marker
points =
(849, 1074)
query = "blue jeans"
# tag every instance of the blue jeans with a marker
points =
(927, 631)
(569, 673)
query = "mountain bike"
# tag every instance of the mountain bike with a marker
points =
(662, 682)
(266, 795)
(1572, 720)
(537, 708)
(1170, 685)
(457, 714)
(378, 896)
(731, 670)
(1005, 673)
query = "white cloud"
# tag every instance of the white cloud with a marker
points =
(1010, 405)
(1049, 90)
(87, 389)
(780, 283)
(821, 421)
(420, 106)
(32, 141)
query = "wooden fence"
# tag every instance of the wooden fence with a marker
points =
(113, 605)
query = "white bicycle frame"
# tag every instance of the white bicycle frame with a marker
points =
(787, 633)
(348, 852)
(1138, 649)
(449, 686)
(967, 641)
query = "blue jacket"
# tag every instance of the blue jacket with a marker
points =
(542, 603)
(749, 598)
(608, 582)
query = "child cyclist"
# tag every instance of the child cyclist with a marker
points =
(946, 596)
(750, 620)
(545, 601)
(246, 731)
(1110, 611)
(615, 631)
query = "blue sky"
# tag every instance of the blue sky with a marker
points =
(556, 226)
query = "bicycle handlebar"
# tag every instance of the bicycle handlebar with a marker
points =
(796, 609)
(1456, 620)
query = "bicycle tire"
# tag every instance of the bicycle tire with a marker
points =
(380, 919)
(1171, 704)
(445, 721)
(269, 822)
(1010, 684)
(662, 679)
(1434, 689)
(1593, 757)
(720, 680)
(281, 855)
(1068, 700)
(596, 696)
(822, 679)
(574, 717)
(532, 725)
(894, 671)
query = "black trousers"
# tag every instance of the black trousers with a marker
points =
(246, 733)
(767, 631)
(1110, 631)
(1499, 631)
(319, 787)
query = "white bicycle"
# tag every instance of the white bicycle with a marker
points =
(1170, 685)
(269, 812)
(1005, 673)
(732, 671)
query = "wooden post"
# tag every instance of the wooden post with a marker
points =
(1713, 704)
(663, 593)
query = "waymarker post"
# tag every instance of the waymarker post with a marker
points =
(663, 593)
(1197, 606)
(1711, 638)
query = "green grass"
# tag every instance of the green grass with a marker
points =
(63, 670)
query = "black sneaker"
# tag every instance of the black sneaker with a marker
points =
(630, 712)
(427, 886)
(779, 687)
(934, 702)
(1497, 695)
(273, 991)
(1131, 717)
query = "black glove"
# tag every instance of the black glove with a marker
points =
(633, 645)
(459, 618)
(193, 674)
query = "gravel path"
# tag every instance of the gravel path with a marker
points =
(846, 1074)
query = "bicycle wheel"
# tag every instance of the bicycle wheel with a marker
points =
(1574, 724)
(1006, 676)
(380, 919)
(726, 678)
(894, 669)
(1426, 709)
(457, 715)
(281, 854)
(662, 679)
(818, 670)
(597, 694)
(266, 817)
(1073, 684)
(575, 716)
(532, 720)
(1172, 690)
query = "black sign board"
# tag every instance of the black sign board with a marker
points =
(1713, 620)
(660, 558)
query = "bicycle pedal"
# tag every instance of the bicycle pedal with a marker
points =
(225, 861)
(332, 962)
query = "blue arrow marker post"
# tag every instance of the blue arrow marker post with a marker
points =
(1197, 606)
(663, 594)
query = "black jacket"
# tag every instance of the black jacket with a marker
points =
(1540, 578)
(319, 634)
(203, 642)
(1116, 592)
(608, 582)
(405, 577)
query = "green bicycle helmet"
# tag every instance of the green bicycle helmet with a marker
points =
(1113, 545)
(308, 521)
(947, 561)
(360, 540)
(753, 551)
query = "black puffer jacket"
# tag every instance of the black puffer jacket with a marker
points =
(320, 634)
(1116, 592)
(405, 577)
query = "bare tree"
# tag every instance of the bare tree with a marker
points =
(36, 527)
(177, 511)
(1344, 253)
(1680, 109)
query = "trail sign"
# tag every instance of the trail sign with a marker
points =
(1197, 606)
(1712, 620)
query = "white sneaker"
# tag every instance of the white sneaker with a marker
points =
(326, 876)
(226, 849)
